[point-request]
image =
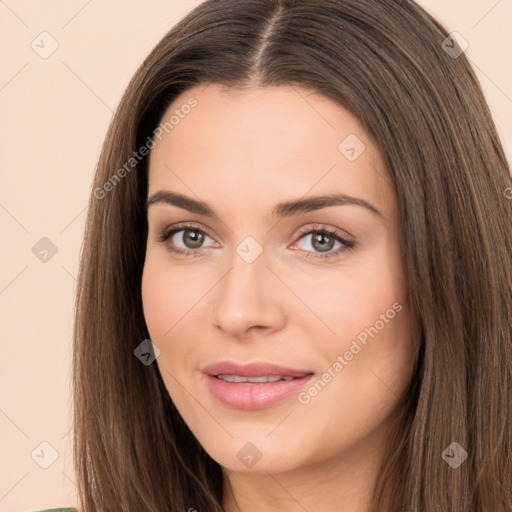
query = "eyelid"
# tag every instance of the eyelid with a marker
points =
(324, 228)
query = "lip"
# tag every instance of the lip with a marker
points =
(253, 369)
(248, 396)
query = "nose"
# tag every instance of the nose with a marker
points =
(248, 300)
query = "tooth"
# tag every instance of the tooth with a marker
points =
(264, 379)
(238, 378)
(232, 378)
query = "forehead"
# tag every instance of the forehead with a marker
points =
(264, 143)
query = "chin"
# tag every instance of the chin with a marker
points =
(242, 456)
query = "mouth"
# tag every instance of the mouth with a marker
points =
(253, 380)
(254, 385)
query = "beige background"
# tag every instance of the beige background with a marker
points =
(54, 112)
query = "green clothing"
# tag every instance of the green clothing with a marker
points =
(57, 510)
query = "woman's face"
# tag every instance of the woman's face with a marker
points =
(241, 280)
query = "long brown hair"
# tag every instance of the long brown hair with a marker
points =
(389, 64)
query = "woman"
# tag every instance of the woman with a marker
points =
(304, 205)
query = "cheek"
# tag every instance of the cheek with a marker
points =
(373, 302)
(167, 300)
(168, 295)
(159, 300)
(368, 362)
(358, 299)
(369, 314)
(175, 304)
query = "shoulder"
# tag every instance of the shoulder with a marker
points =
(69, 509)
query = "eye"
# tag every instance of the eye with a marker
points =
(192, 238)
(189, 236)
(322, 241)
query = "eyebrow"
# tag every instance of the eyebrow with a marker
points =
(280, 210)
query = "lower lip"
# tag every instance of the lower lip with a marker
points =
(254, 396)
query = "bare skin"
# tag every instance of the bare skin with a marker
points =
(302, 302)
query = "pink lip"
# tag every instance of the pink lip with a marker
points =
(245, 395)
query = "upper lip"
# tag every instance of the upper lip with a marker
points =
(256, 369)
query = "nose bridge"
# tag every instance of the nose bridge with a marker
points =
(244, 298)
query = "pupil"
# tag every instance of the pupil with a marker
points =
(321, 238)
(196, 237)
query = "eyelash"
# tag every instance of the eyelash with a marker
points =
(347, 245)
